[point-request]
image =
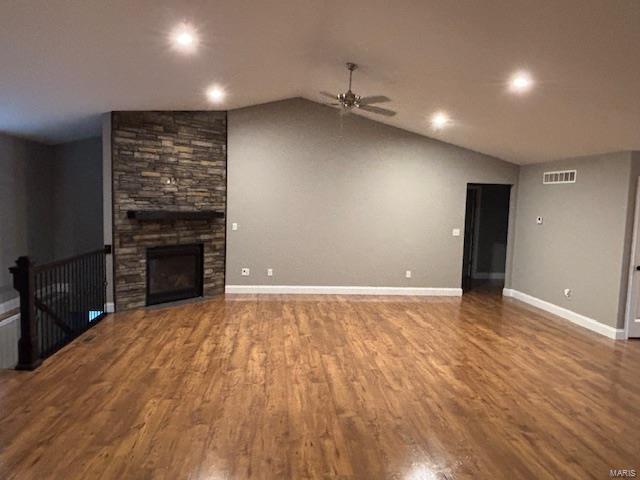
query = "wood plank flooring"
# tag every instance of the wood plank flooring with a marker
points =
(296, 387)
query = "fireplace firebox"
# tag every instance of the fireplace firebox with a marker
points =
(174, 273)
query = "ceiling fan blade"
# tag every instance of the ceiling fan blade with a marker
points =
(378, 110)
(329, 95)
(374, 99)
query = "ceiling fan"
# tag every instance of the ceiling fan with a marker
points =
(349, 100)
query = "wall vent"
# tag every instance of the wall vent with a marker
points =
(562, 176)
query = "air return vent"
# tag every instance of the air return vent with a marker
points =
(563, 176)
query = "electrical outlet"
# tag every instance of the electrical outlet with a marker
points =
(568, 292)
(269, 272)
(407, 274)
(246, 272)
(455, 232)
(234, 226)
(539, 220)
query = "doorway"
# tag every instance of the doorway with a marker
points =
(485, 237)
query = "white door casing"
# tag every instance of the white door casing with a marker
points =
(632, 313)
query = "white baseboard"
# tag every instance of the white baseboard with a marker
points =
(11, 319)
(9, 336)
(109, 307)
(9, 305)
(577, 318)
(342, 290)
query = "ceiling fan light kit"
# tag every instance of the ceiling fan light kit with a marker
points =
(349, 100)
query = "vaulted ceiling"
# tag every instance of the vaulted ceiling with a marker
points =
(63, 63)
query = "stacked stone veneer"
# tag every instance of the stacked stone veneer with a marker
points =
(149, 149)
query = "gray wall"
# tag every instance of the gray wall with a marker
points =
(50, 202)
(77, 197)
(325, 199)
(25, 195)
(583, 242)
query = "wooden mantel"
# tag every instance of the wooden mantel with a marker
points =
(167, 215)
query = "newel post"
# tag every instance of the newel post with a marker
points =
(28, 346)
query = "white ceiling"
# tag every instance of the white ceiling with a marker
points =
(62, 63)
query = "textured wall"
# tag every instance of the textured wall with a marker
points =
(334, 200)
(581, 244)
(147, 149)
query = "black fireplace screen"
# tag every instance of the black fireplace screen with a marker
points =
(174, 273)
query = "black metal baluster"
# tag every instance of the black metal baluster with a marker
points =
(96, 277)
(56, 308)
(94, 301)
(76, 290)
(80, 288)
(67, 302)
(55, 333)
(43, 295)
(40, 294)
(63, 296)
(37, 286)
(103, 282)
(50, 300)
(90, 292)
(85, 293)
(90, 283)
(85, 306)
(67, 298)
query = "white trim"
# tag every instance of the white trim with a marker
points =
(577, 318)
(8, 320)
(629, 310)
(342, 290)
(9, 305)
(109, 307)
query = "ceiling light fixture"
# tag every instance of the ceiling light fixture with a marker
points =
(520, 82)
(439, 120)
(184, 38)
(215, 94)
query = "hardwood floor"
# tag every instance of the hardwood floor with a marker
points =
(327, 387)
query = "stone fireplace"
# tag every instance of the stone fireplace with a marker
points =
(169, 193)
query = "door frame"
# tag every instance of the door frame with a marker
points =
(472, 234)
(477, 186)
(629, 312)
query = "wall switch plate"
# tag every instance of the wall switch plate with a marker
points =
(455, 232)
(407, 274)
(269, 272)
(246, 272)
(234, 226)
(539, 220)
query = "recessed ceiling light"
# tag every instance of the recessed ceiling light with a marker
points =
(184, 38)
(439, 120)
(520, 82)
(215, 94)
